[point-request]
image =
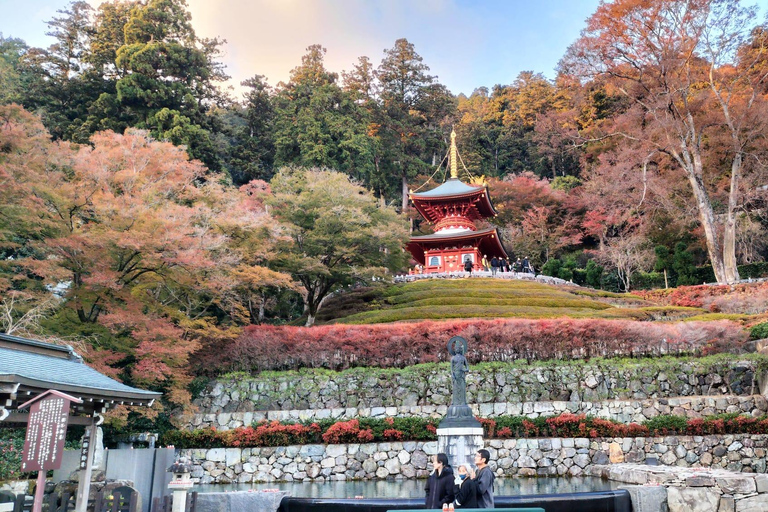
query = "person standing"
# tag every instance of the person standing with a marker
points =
(466, 491)
(440, 483)
(468, 265)
(526, 265)
(484, 479)
(494, 266)
(485, 263)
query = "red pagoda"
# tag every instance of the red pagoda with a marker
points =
(453, 208)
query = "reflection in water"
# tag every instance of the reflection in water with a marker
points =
(415, 488)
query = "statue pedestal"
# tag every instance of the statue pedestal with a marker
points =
(460, 444)
(459, 436)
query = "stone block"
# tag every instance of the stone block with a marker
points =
(761, 481)
(216, 455)
(700, 481)
(615, 453)
(737, 485)
(727, 504)
(685, 499)
(753, 504)
(647, 498)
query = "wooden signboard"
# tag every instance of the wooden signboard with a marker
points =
(46, 431)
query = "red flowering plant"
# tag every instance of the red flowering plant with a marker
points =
(347, 432)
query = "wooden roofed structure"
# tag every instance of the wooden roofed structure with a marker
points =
(31, 368)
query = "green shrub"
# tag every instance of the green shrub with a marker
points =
(552, 267)
(759, 331)
(753, 270)
(11, 446)
(648, 280)
(594, 274)
(667, 424)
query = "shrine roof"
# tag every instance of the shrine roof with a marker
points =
(452, 187)
(37, 366)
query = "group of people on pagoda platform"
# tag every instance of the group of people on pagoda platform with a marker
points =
(496, 265)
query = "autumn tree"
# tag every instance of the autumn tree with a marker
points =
(136, 243)
(694, 76)
(335, 233)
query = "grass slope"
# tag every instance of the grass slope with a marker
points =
(488, 298)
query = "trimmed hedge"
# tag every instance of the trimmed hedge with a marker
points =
(369, 430)
(336, 347)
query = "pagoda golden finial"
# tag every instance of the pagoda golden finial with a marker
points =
(454, 157)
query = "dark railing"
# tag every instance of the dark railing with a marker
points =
(104, 502)
(165, 504)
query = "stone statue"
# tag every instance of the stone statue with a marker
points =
(457, 347)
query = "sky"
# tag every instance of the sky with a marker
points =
(467, 44)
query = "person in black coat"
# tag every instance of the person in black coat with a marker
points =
(466, 491)
(440, 483)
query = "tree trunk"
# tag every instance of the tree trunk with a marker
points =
(729, 229)
(693, 167)
(405, 194)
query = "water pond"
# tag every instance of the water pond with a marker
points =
(415, 488)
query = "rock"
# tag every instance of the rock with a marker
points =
(753, 504)
(600, 457)
(647, 498)
(682, 499)
(700, 481)
(737, 485)
(615, 453)
(419, 459)
(581, 460)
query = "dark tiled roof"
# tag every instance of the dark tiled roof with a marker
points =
(37, 364)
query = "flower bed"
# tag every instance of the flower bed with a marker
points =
(366, 430)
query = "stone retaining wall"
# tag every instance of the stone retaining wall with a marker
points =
(624, 411)
(688, 489)
(509, 457)
(510, 383)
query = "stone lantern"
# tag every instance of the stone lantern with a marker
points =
(180, 483)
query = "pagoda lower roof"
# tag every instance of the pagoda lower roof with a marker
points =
(486, 239)
(464, 235)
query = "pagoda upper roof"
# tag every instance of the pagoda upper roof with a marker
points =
(452, 187)
(431, 203)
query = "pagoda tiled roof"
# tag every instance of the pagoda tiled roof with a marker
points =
(451, 236)
(452, 187)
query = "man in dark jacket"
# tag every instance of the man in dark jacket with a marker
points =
(495, 264)
(440, 483)
(466, 491)
(484, 479)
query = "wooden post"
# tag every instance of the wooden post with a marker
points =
(37, 505)
(84, 485)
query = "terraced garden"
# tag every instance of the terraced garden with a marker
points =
(489, 298)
